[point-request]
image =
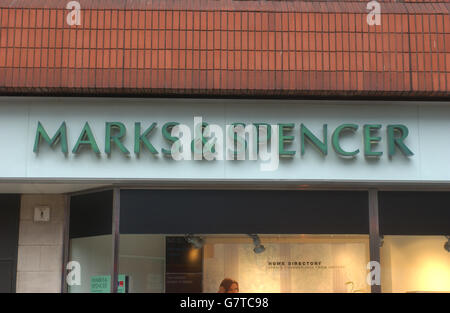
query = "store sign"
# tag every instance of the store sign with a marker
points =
(102, 284)
(234, 141)
(299, 264)
(127, 139)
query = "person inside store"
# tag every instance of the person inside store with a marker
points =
(228, 285)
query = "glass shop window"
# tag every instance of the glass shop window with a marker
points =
(91, 241)
(223, 241)
(415, 264)
(244, 263)
(415, 251)
(244, 240)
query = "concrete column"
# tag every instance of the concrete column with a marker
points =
(39, 263)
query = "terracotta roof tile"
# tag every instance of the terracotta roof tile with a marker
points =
(224, 47)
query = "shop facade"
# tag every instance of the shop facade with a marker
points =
(345, 197)
(162, 146)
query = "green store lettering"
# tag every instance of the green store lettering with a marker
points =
(115, 133)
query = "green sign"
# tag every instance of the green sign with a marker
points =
(102, 284)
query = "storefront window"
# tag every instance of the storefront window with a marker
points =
(208, 241)
(94, 254)
(415, 264)
(142, 258)
(415, 253)
(91, 241)
(272, 263)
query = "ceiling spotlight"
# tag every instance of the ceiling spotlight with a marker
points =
(447, 244)
(195, 241)
(259, 248)
(381, 241)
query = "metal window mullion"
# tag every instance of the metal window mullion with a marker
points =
(66, 243)
(115, 239)
(374, 232)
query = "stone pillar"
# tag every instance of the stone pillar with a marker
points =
(39, 263)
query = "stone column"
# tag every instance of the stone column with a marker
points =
(39, 263)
